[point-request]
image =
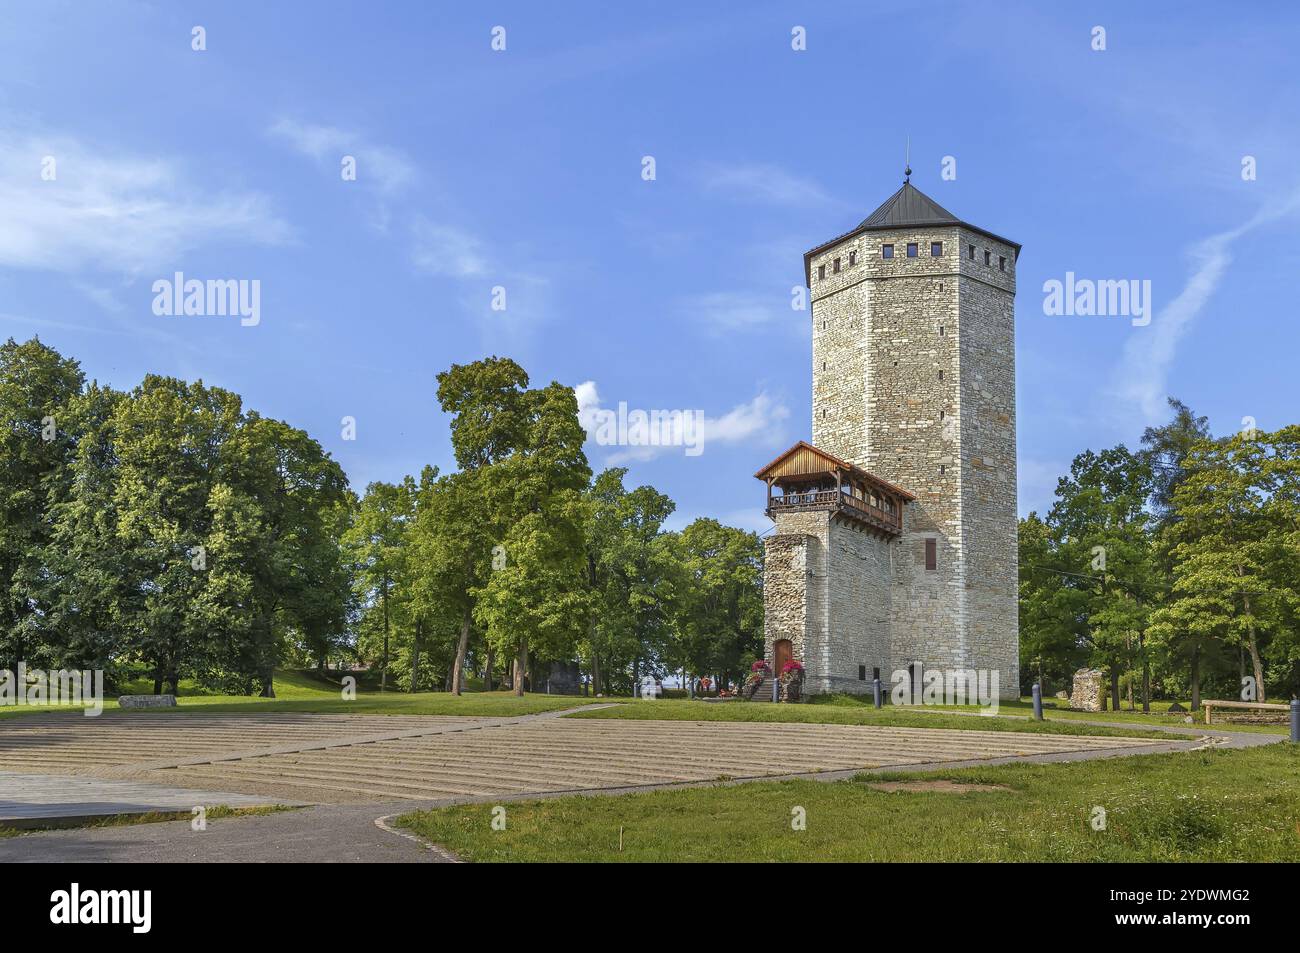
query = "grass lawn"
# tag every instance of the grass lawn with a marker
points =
(1226, 805)
(308, 692)
(847, 713)
(215, 813)
(1159, 716)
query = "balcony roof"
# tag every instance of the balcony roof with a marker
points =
(803, 461)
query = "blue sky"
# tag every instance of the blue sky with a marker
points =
(522, 169)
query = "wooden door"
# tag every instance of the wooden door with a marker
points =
(782, 652)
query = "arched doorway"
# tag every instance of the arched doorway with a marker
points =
(782, 652)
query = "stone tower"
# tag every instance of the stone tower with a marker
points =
(913, 388)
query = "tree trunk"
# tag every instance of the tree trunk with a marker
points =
(458, 669)
(1256, 662)
(415, 658)
(1114, 686)
(595, 673)
(383, 675)
(157, 685)
(1146, 675)
(487, 669)
(521, 666)
(1196, 679)
(1252, 644)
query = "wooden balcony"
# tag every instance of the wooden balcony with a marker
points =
(812, 479)
(841, 503)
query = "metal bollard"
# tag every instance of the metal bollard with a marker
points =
(1038, 702)
(1295, 720)
(775, 689)
(875, 690)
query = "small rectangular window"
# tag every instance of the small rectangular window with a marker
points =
(853, 258)
(886, 251)
(941, 375)
(821, 272)
(936, 249)
(931, 554)
(862, 673)
(875, 673)
(970, 252)
(1002, 263)
(986, 256)
(911, 249)
(835, 266)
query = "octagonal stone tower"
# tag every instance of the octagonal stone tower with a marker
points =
(914, 387)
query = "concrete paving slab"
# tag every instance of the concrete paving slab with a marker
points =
(41, 800)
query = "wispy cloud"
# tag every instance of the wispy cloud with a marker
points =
(738, 311)
(384, 168)
(757, 182)
(1143, 372)
(109, 212)
(756, 420)
(438, 249)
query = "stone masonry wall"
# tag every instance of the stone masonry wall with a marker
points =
(858, 596)
(988, 436)
(914, 380)
(785, 591)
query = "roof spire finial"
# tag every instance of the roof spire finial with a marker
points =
(907, 161)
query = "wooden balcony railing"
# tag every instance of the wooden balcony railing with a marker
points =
(820, 499)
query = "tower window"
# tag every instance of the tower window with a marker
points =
(970, 252)
(821, 272)
(836, 266)
(853, 258)
(941, 375)
(875, 673)
(1002, 263)
(931, 554)
(823, 365)
(986, 256)
(911, 249)
(862, 673)
(936, 249)
(941, 330)
(886, 251)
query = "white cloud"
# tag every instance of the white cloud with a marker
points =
(1143, 372)
(386, 169)
(762, 183)
(745, 422)
(113, 212)
(739, 311)
(438, 249)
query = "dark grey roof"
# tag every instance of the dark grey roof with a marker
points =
(909, 206)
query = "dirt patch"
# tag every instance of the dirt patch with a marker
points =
(943, 787)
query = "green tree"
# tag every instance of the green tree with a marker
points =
(538, 602)
(37, 443)
(1234, 543)
(377, 542)
(1102, 534)
(629, 574)
(718, 609)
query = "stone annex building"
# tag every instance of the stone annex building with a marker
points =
(895, 540)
